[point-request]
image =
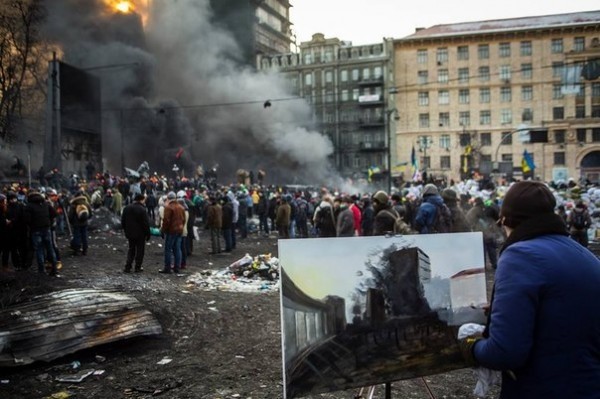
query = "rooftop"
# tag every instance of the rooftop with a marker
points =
(507, 25)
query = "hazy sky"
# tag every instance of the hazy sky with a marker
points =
(364, 22)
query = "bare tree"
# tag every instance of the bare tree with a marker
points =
(20, 23)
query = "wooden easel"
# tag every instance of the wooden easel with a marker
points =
(370, 391)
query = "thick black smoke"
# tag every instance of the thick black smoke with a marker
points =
(186, 90)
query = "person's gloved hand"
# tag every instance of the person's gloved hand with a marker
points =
(466, 348)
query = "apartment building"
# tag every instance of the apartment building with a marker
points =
(348, 87)
(468, 92)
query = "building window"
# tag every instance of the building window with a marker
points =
(344, 75)
(505, 94)
(463, 75)
(485, 139)
(445, 141)
(527, 93)
(463, 96)
(557, 69)
(595, 91)
(507, 158)
(423, 77)
(464, 118)
(444, 119)
(422, 56)
(484, 73)
(526, 71)
(559, 158)
(483, 51)
(484, 95)
(308, 58)
(426, 162)
(462, 52)
(485, 117)
(443, 97)
(506, 139)
(581, 135)
(442, 76)
(505, 73)
(595, 135)
(526, 48)
(308, 79)
(441, 55)
(486, 158)
(423, 98)
(445, 162)
(557, 93)
(581, 92)
(580, 111)
(505, 116)
(345, 95)
(527, 115)
(328, 96)
(504, 50)
(559, 136)
(355, 74)
(366, 73)
(556, 46)
(377, 72)
(328, 77)
(579, 44)
(595, 111)
(423, 120)
(558, 113)
(355, 94)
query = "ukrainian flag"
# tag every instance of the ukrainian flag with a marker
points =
(468, 151)
(527, 164)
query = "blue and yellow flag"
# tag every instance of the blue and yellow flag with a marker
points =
(527, 164)
(465, 165)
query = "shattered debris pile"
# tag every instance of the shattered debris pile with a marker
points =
(248, 274)
(104, 220)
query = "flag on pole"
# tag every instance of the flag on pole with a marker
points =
(179, 153)
(527, 164)
(413, 159)
(465, 165)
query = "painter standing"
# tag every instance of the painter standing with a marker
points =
(136, 226)
(543, 330)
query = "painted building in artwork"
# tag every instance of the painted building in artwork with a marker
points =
(467, 90)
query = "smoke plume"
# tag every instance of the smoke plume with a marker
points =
(181, 86)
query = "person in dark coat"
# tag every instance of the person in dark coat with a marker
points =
(459, 219)
(136, 226)
(214, 223)
(345, 219)
(227, 223)
(543, 330)
(79, 223)
(39, 216)
(262, 210)
(368, 217)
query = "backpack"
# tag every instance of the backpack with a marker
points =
(579, 220)
(400, 227)
(326, 219)
(82, 212)
(443, 220)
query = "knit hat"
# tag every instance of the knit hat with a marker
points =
(449, 194)
(430, 189)
(171, 195)
(525, 200)
(381, 197)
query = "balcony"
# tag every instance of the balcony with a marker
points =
(374, 146)
(371, 122)
(373, 81)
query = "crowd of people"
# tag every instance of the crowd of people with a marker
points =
(31, 219)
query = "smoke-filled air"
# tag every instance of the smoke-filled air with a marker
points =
(173, 79)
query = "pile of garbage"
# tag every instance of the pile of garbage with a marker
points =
(104, 220)
(248, 274)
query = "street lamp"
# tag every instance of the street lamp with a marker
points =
(29, 145)
(389, 114)
(424, 144)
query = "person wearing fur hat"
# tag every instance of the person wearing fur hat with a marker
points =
(80, 212)
(543, 329)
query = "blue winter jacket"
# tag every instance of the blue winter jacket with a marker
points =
(427, 212)
(545, 320)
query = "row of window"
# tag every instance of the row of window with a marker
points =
(327, 54)
(504, 49)
(445, 160)
(505, 93)
(356, 74)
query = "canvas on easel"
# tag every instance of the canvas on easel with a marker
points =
(362, 311)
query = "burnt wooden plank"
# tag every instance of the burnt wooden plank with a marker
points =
(56, 324)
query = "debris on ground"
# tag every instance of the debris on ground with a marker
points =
(248, 274)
